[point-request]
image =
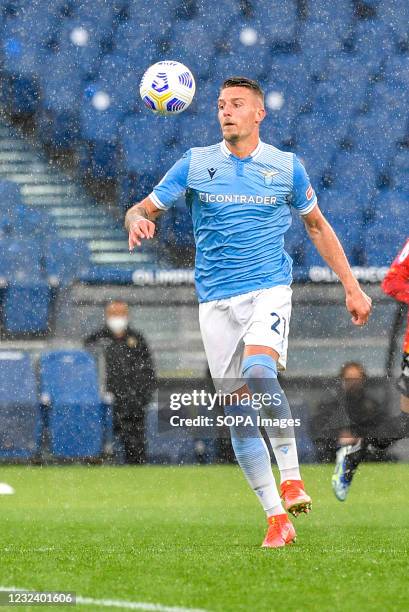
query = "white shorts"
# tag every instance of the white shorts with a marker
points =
(260, 317)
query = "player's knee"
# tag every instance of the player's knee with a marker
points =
(259, 366)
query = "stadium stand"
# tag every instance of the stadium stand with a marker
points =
(336, 82)
(20, 420)
(69, 388)
(331, 74)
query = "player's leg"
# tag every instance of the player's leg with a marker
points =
(266, 347)
(350, 456)
(347, 460)
(403, 385)
(222, 339)
(254, 459)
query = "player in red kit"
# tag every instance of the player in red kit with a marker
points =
(395, 284)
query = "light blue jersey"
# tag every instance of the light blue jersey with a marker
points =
(241, 211)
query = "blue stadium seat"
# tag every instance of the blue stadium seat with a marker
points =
(356, 174)
(381, 248)
(220, 22)
(278, 126)
(347, 219)
(66, 260)
(377, 133)
(29, 221)
(390, 209)
(69, 386)
(205, 98)
(276, 21)
(400, 172)
(26, 307)
(390, 100)
(20, 260)
(373, 42)
(338, 13)
(197, 131)
(191, 42)
(133, 40)
(20, 51)
(99, 11)
(119, 77)
(20, 423)
(27, 296)
(396, 72)
(285, 73)
(86, 53)
(22, 47)
(317, 141)
(144, 137)
(99, 123)
(100, 159)
(395, 14)
(10, 195)
(318, 41)
(160, 16)
(345, 86)
(242, 60)
(61, 84)
(6, 224)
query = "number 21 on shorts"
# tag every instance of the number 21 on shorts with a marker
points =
(275, 326)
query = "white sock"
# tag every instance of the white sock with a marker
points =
(290, 474)
(254, 459)
(285, 452)
(275, 510)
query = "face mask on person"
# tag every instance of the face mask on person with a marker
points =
(117, 324)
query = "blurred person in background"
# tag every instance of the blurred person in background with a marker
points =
(349, 456)
(346, 414)
(130, 378)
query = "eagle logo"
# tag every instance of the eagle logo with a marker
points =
(269, 176)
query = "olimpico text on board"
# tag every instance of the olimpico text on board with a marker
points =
(186, 276)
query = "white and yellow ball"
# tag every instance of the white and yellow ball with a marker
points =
(167, 87)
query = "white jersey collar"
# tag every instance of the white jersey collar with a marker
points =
(226, 151)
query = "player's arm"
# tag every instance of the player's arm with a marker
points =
(396, 281)
(330, 249)
(139, 221)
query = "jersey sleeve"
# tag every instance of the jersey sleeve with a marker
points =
(173, 184)
(303, 196)
(396, 281)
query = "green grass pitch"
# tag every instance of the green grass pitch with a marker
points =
(190, 537)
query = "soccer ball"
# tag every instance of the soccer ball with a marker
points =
(167, 88)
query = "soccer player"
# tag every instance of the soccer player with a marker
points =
(349, 456)
(240, 192)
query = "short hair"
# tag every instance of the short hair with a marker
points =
(239, 81)
(352, 364)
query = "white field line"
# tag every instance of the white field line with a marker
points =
(117, 603)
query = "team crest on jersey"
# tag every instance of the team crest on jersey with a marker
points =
(310, 192)
(269, 176)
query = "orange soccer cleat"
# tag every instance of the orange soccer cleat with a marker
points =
(295, 498)
(280, 532)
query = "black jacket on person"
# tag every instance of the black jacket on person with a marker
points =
(130, 373)
(355, 412)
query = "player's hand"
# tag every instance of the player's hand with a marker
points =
(138, 230)
(359, 305)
